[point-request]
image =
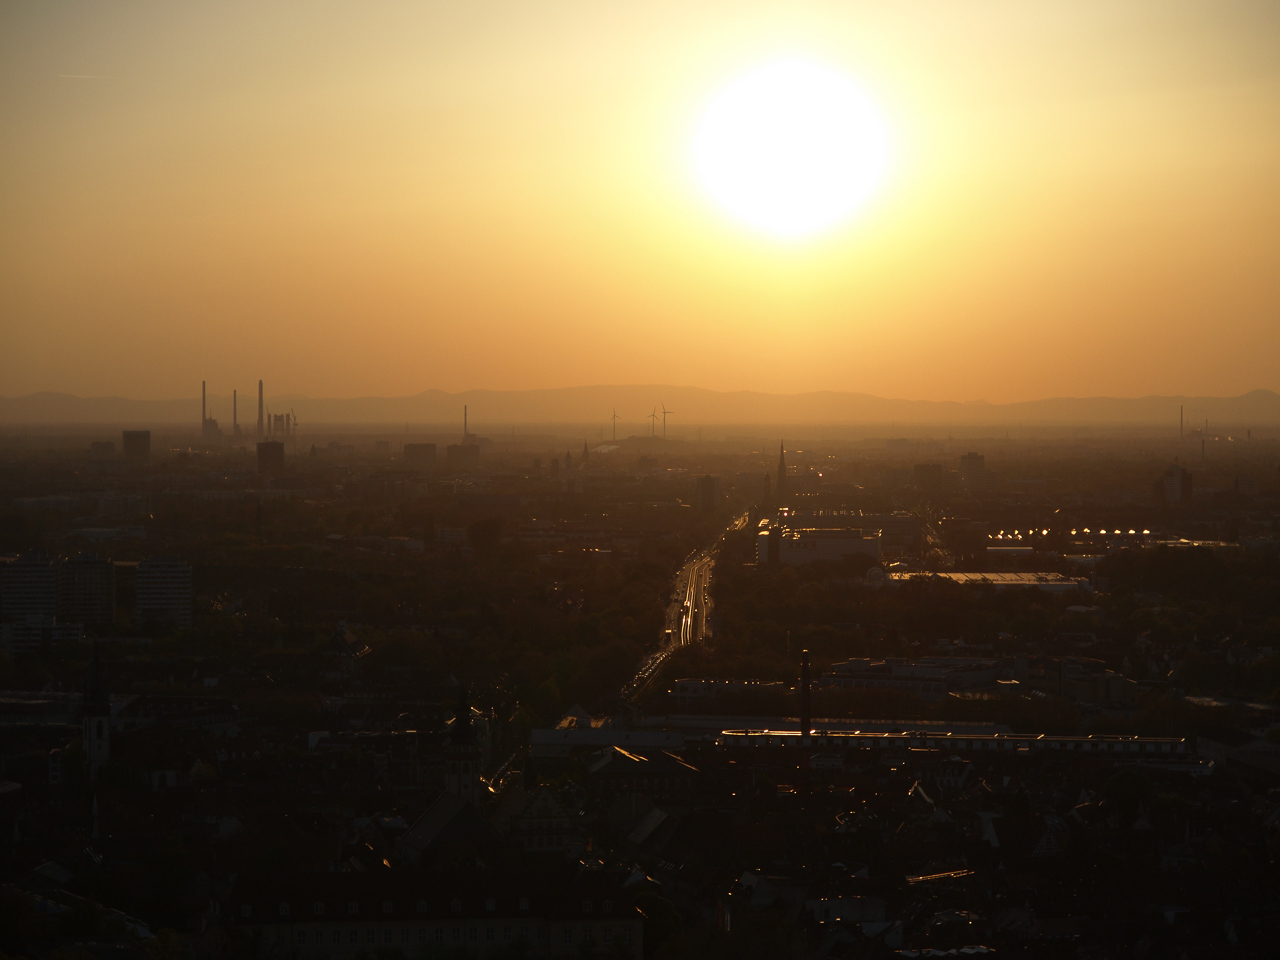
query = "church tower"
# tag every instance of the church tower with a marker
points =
(463, 779)
(97, 718)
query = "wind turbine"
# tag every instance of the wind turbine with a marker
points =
(653, 423)
(615, 423)
(665, 411)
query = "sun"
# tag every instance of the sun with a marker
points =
(790, 149)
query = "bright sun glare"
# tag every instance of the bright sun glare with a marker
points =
(790, 149)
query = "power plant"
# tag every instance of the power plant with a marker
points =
(279, 425)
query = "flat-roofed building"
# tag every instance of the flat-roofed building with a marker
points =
(29, 588)
(164, 591)
(929, 678)
(87, 591)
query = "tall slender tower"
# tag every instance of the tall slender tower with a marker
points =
(260, 424)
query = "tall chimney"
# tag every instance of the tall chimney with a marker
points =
(260, 424)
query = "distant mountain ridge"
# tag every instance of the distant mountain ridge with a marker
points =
(634, 403)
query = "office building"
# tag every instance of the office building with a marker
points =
(973, 466)
(87, 591)
(29, 588)
(270, 457)
(136, 445)
(1174, 486)
(164, 591)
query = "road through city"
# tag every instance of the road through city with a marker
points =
(687, 613)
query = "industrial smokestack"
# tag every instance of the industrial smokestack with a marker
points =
(260, 424)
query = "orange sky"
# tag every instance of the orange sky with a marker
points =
(353, 199)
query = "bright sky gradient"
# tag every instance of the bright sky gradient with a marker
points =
(352, 199)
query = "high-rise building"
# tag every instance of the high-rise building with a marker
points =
(87, 591)
(270, 457)
(29, 588)
(973, 466)
(164, 591)
(136, 445)
(1174, 486)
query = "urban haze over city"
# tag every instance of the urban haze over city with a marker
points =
(639, 481)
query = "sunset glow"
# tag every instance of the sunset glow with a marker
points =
(790, 149)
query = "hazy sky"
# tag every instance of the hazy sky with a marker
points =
(351, 199)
